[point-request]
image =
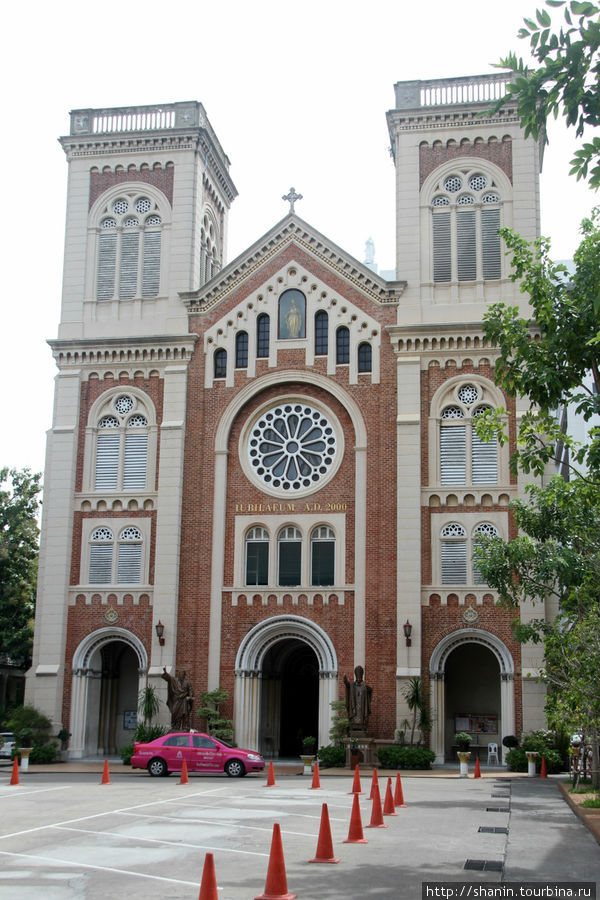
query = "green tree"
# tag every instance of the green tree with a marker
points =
(566, 80)
(19, 532)
(417, 704)
(216, 725)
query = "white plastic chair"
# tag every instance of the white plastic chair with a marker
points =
(493, 754)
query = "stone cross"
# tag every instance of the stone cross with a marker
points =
(291, 198)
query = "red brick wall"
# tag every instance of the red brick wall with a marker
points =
(159, 177)
(497, 152)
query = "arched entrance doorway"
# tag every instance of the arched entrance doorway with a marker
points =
(285, 680)
(290, 697)
(472, 689)
(108, 672)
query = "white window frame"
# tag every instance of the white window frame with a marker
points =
(117, 526)
(144, 263)
(469, 523)
(104, 407)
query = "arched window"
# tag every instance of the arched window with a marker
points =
(210, 262)
(289, 552)
(484, 529)
(322, 556)
(122, 447)
(119, 563)
(454, 554)
(365, 363)
(321, 333)
(220, 361)
(241, 350)
(342, 345)
(464, 457)
(292, 315)
(263, 329)
(257, 556)
(465, 218)
(129, 249)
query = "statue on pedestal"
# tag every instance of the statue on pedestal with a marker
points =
(358, 701)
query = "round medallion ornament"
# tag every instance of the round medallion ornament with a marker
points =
(470, 615)
(111, 616)
(292, 447)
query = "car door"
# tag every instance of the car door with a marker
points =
(176, 748)
(208, 755)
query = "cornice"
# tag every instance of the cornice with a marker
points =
(156, 350)
(439, 338)
(292, 230)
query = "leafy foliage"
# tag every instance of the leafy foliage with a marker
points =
(216, 725)
(332, 757)
(148, 704)
(340, 726)
(19, 491)
(402, 757)
(566, 81)
(417, 704)
(29, 726)
(143, 734)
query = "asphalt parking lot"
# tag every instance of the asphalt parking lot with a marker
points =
(65, 836)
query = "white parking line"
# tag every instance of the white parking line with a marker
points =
(181, 821)
(108, 812)
(129, 837)
(80, 865)
(18, 794)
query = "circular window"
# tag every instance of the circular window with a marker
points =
(453, 183)
(468, 394)
(477, 182)
(121, 206)
(123, 404)
(292, 447)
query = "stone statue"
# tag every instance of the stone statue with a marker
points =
(179, 699)
(358, 701)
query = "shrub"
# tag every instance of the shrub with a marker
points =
(510, 741)
(332, 757)
(43, 753)
(29, 726)
(516, 760)
(402, 757)
(143, 735)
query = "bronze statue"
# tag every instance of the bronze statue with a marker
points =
(358, 701)
(179, 699)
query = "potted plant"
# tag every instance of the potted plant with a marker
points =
(308, 753)
(462, 740)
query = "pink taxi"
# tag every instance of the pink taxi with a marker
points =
(201, 752)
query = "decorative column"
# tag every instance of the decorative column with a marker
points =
(437, 694)
(507, 708)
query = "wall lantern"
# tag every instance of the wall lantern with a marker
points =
(407, 632)
(160, 631)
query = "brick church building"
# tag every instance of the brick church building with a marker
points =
(274, 458)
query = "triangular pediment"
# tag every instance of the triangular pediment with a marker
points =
(311, 245)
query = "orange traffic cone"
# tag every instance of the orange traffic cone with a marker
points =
(374, 784)
(356, 788)
(184, 774)
(324, 852)
(399, 793)
(388, 804)
(14, 778)
(208, 885)
(105, 774)
(270, 776)
(355, 832)
(376, 813)
(276, 883)
(477, 773)
(543, 770)
(316, 783)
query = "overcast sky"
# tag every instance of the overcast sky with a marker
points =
(297, 94)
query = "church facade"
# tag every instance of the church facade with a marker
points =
(265, 472)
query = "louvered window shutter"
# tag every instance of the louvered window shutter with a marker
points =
(130, 242)
(442, 268)
(100, 563)
(130, 563)
(151, 264)
(453, 468)
(454, 562)
(107, 461)
(107, 256)
(136, 455)
(490, 243)
(484, 460)
(465, 244)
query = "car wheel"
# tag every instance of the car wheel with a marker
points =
(157, 767)
(235, 768)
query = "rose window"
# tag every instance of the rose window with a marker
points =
(292, 447)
